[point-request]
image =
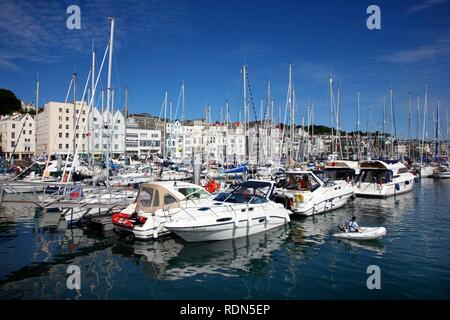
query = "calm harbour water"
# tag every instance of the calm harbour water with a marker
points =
(300, 261)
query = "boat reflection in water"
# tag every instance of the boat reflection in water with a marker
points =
(173, 259)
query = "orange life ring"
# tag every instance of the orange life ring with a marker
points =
(212, 186)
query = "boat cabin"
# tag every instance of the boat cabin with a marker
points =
(342, 170)
(153, 196)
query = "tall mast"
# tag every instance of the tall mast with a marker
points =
(392, 123)
(74, 118)
(244, 78)
(182, 119)
(35, 119)
(357, 130)
(291, 113)
(89, 116)
(165, 127)
(436, 145)
(338, 129)
(409, 124)
(425, 110)
(418, 121)
(384, 127)
(332, 114)
(125, 117)
(108, 95)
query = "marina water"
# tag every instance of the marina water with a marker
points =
(300, 261)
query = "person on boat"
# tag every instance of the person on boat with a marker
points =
(303, 182)
(353, 225)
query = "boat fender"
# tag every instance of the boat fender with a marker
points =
(236, 220)
(287, 218)
(397, 187)
(267, 216)
(155, 227)
(249, 219)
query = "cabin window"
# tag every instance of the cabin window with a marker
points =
(193, 193)
(376, 176)
(169, 199)
(146, 197)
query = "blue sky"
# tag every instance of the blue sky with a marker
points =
(160, 43)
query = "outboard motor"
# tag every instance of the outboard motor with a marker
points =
(341, 227)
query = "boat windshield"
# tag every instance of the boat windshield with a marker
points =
(376, 176)
(193, 193)
(340, 173)
(247, 192)
(302, 182)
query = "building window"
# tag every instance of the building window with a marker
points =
(30, 125)
(67, 110)
(77, 135)
(116, 146)
(13, 125)
(67, 146)
(97, 146)
(67, 126)
(67, 134)
(60, 146)
(60, 134)
(13, 135)
(67, 118)
(60, 126)
(29, 132)
(13, 144)
(60, 109)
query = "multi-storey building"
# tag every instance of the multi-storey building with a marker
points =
(55, 126)
(142, 142)
(17, 135)
(103, 138)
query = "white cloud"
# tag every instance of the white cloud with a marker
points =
(36, 31)
(423, 5)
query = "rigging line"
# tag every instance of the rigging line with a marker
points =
(178, 103)
(251, 97)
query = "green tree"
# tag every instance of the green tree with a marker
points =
(9, 102)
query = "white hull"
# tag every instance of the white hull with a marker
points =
(426, 172)
(365, 189)
(365, 234)
(228, 230)
(442, 175)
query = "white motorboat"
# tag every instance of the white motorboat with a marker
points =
(306, 194)
(245, 210)
(441, 172)
(154, 207)
(382, 179)
(426, 171)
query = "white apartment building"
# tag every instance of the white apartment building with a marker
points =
(55, 128)
(100, 136)
(142, 142)
(17, 136)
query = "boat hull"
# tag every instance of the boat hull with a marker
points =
(228, 230)
(374, 190)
